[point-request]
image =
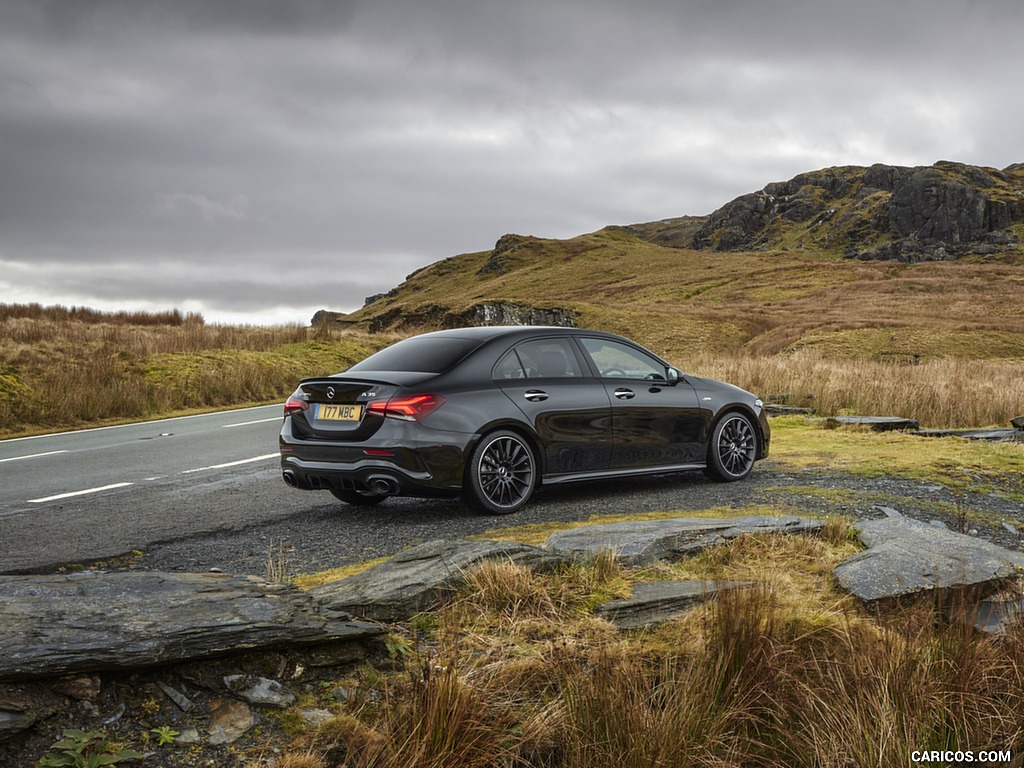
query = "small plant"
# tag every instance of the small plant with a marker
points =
(164, 735)
(399, 647)
(277, 563)
(962, 514)
(149, 707)
(83, 749)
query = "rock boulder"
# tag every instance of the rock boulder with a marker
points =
(907, 557)
(61, 624)
(415, 580)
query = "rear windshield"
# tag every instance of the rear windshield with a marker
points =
(418, 354)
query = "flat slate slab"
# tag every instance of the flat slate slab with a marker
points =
(1008, 435)
(646, 541)
(877, 423)
(994, 616)
(656, 602)
(61, 624)
(417, 579)
(906, 557)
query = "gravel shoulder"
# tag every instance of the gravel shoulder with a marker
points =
(330, 534)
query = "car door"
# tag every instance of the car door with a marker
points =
(568, 408)
(656, 422)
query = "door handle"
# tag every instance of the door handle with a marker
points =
(536, 395)
(625, 394)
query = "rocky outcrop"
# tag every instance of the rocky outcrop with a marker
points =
(326, 317)
(511, 313)
(504, 254)
(68, 624)
(417, 579)
(898, 213)
(485, 313)
(644, 542)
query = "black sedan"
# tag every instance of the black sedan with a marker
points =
(493, 413)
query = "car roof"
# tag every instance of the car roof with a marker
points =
(484, 333)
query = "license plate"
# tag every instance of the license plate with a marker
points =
(333, 412)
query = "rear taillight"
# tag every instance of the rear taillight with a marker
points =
(295, 405)
(407, 408)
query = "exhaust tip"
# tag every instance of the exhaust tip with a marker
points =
(383, 485)
(290, 479)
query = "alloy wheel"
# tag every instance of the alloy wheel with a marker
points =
(737, 446)
(506, 472)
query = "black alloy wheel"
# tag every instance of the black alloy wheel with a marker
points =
(501, 475)
(733, 448)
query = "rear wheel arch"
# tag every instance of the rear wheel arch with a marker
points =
(523, 431)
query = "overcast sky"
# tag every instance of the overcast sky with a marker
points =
(256, 160)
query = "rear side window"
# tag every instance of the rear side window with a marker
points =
(547, 359)
(418, 354)
(509, 367)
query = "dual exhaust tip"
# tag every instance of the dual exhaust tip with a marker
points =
(382, 484)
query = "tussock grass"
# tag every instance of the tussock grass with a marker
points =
(516, 672)
(947, 392)
(70, 368)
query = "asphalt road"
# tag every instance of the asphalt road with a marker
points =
(205, 492)
(93, 494)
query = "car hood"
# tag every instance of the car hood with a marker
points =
(699, 383)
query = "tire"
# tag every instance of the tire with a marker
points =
(358, 498)
(501, 474)
(732, 449)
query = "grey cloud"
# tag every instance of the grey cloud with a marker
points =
(240, 135)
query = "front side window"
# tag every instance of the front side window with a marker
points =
(615, 360)
(548, 358)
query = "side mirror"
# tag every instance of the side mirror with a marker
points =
(674, 375)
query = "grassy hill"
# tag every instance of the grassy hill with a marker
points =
(681, 300)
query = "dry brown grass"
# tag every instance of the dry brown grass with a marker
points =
(62, 371)
(948, 392)
(786, 673)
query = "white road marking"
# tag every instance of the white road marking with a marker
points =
(138, 423)
(247, 423)
(79, 493)
(233, 463)
(33, 456)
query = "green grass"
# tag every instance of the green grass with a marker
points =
(948, 461)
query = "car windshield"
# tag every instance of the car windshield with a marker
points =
(419, 354)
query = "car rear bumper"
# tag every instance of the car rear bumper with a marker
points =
(394, 462)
